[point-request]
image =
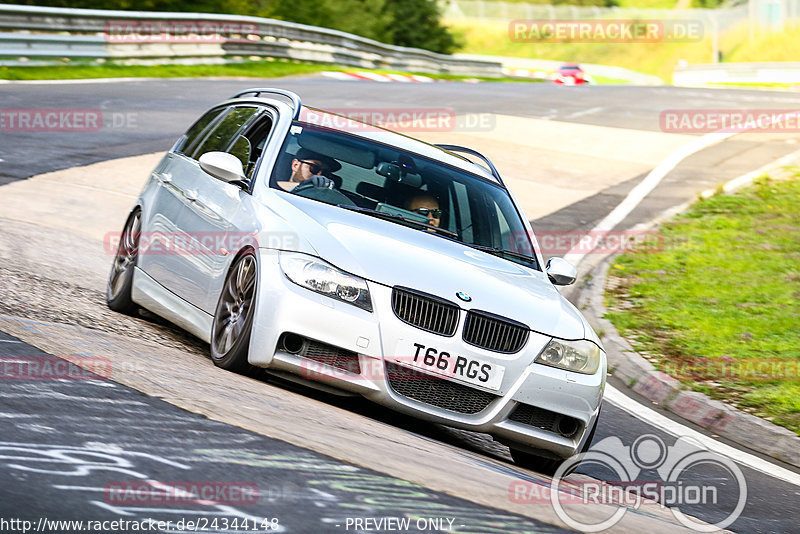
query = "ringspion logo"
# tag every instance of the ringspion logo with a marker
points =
(682, 480)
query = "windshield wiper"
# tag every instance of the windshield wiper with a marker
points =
(503, 252)
(394, 217)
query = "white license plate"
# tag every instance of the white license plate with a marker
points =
(449, 364)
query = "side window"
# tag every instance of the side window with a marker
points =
(194, 135)
(222, 136)
(242, 149)
(249, 147)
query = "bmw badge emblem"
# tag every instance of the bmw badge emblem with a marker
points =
(463, 296)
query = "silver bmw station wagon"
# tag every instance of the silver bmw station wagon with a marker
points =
(352, 257)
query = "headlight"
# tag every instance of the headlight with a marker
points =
(317, 275)
(579, 356)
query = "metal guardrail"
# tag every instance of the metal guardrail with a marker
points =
(84, 33)
(33, 45)
(737, 73)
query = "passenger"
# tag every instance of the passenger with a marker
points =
(427, 205)
(310, 167)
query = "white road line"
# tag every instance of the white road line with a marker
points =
(9, 340)
(583, 112)
(617, 215)
(617, 398)
(646, 186)
(78, 488)
(83, 80)
(654, 177)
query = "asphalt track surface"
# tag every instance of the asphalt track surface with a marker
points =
(147, 116)
(58, 465)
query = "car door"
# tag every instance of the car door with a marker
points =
(219, 217)
(158, 258)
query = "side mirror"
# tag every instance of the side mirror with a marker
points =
(561, 272)
(223, 166)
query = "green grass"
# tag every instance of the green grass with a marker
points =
(659, 59)
(648, 4)
(254, 69)
(782, 86)
(723, 292)
(605, 80)
(248, 69)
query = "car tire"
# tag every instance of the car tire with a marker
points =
(548, 466)
(233, 318)
(120, 281)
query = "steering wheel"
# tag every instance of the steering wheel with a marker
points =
(323, 194)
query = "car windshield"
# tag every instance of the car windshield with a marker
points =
(402, 187)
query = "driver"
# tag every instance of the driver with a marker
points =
(427, 205)
(310, 167)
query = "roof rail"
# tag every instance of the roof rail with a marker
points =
(256, 91)
(465, 150)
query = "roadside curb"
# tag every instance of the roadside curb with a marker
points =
(640, 376)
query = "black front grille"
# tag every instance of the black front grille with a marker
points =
(437, 392)
(495, 333)
(336, 357)
(546, 420)
(424, 311)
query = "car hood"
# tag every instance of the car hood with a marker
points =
(395, 255)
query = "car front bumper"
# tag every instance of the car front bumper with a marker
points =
(526, 410)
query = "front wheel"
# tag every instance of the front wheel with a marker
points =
(233, 318)
(120, 281)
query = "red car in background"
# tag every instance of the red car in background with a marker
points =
(571, 74)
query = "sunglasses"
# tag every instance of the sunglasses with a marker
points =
(435, 213)
(316, 168)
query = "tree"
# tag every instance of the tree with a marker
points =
(417, 23)
(361, 17)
